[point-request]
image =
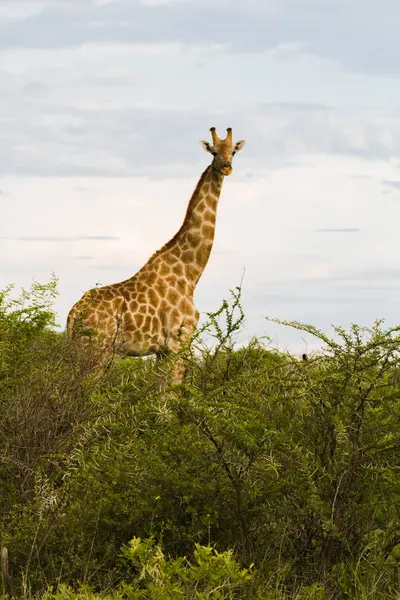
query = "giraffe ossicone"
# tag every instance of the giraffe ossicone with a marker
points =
(153, 311)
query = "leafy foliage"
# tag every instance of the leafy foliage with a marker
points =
(260, 476)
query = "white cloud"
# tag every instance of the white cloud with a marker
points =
(128, 109)
(358, 36)
(12, 12)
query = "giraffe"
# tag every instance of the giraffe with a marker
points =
(153, 312)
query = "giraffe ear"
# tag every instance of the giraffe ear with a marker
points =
(239, 145)
(207, 147)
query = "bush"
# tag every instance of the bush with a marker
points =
(290, 466)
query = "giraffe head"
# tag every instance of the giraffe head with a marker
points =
(222, 150)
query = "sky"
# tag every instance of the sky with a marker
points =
(103, 103)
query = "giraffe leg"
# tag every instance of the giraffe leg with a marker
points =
(178, 343)
(178, 371)
(178, 367)
(161, 376)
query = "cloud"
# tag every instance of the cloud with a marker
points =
(359, 37)
(393, 184)
(15, 11)
(121, 107)
(156, 142)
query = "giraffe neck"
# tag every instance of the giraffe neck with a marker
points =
(193, 243)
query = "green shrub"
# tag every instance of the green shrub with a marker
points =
(292, 466)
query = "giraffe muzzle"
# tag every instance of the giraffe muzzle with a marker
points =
(226, 168)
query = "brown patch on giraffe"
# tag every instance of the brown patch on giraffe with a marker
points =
(185, 306)
(141, 287)
(188, 256)
(194, 238)
(130, 326)
(197, 219)
(202, 255)
(164, 307)
(142, 298)
(173, 297)
(182, 286)
(210, 217)
(201, 206)
(116, 304)
(176, 316)
(208, 231)
(161, 288)
(191, 272)
(164, 269)
(155, 324)
(153, 297)
(98, 296)
(106, 317)
(172, 280)
(131, 286)
(152, 277)
(184, 246)
(164, 257)
(138, 319)
(178, 269)
(154, 264)
(173, 259)
(174, 252)
(133, 306)
(147, 323)
(212, 203)
(151, 310)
